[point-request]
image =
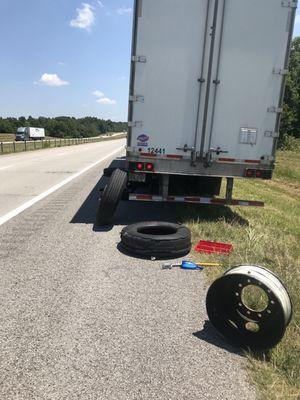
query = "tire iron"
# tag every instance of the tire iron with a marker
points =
(188, 265)
(184, 265)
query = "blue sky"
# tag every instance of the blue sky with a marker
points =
(66, 57)
(56, 53)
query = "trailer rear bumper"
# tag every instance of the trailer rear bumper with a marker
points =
(195, 200)
(218, 168)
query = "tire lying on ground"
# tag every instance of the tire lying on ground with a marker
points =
(156, 239)
(111, 197)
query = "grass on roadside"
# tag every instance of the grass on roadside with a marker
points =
(268, 237)
(7, 137)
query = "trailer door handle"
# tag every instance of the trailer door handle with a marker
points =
(185, 148)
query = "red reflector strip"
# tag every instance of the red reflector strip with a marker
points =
(239, 161)
(192, 199)
(148, 155)
(256, 203)
(235, 202)
(252, 161)
(143, 197)
(198, 200)
(171, 198)
(218, 201)
(227, 159)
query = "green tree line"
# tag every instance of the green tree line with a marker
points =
(290, 124)
(64, 126)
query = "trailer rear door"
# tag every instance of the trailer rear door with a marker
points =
(168, 43)
(207, 77)
(240, 115)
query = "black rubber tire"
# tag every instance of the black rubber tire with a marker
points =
(111, 197)
(156, 239)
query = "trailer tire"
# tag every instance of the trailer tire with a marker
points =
(156, 239)
(111, 197)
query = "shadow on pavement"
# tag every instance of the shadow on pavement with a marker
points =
(127, 213)
(211, 336)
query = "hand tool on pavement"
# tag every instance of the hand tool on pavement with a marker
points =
(191, 265)
(205, 264)
(184, 265)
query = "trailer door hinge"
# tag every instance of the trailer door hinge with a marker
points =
(135, 124)
(137, 98)
(274, 109)
(271, 134)
(290, 4)
(280, 71)
(140, 59)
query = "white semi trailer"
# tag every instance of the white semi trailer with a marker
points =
(206, 93)
(30, 133)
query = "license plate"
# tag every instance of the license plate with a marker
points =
(137, 177)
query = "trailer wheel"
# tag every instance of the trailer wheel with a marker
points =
(156, 239)
(250, 307)
(111, 197)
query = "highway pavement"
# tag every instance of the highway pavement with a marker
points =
(81, 320)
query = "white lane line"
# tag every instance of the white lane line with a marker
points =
(6, 167)
(53, 189)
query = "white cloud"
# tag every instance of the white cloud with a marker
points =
(298, 19)
(97, 93)
(102, 99)
(124, 11)
(52, 80)
(106, 101)
(100, 3)
(62, 64)
(85, 17)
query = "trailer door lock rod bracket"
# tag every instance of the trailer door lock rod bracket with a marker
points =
(208, 156)
(185, 148)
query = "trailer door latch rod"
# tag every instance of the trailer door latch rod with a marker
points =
(185, 148)
(208, 156)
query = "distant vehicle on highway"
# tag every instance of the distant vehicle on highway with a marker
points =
(30, 133)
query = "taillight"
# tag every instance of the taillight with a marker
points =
(258, 173)
(250, 173)
(140, 166)
(149, 167)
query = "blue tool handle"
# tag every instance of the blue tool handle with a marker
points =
(191, 266)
